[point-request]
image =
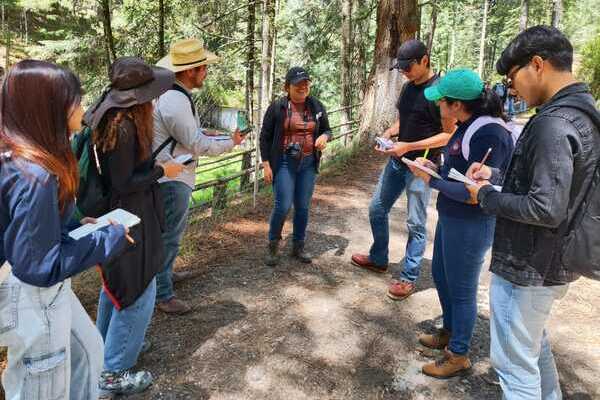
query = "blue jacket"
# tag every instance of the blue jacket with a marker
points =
(34, 235)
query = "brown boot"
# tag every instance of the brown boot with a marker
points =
(174, 306)
(449, 366)
(438, 340)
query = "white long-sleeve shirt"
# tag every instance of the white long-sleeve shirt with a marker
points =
(173, 117)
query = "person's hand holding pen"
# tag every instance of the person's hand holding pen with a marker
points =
(480, 173)
(478, 170)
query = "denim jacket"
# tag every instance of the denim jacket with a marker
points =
(553, 161)
(34, 236)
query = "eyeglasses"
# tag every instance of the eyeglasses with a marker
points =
(409, 66)
(510, 78)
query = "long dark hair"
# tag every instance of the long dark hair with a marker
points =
(35, 103)
(106, 136)
(488, 103)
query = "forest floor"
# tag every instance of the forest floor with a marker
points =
(327, 330)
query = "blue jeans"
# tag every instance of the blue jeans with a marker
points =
(394, 179)
(124, 331)
(519, 349)
(54, 349)
(176, 197)
(293, 183)
(458, 253)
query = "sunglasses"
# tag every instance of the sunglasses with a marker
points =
(409, 66)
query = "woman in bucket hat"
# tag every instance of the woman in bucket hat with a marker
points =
(122, 126)
(464, 233)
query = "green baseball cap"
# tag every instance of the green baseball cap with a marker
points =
(459, 84)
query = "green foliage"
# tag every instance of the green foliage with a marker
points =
(590, 66)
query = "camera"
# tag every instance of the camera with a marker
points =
(294, 150)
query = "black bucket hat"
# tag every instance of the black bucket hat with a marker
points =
(132, 82)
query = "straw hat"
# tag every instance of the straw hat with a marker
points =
(187, 54)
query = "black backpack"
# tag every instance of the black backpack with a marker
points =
(581, 244)
(92, 196)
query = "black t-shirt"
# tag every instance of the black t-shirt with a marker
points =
(419, 118)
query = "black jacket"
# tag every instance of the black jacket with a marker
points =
(271, 134)
(553, 161)
(134, 188)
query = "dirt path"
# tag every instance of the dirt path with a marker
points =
(327, 331)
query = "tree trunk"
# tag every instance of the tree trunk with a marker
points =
(250, 59)
(556, 13)
(360, 34)
(482, 41)
(265, 63)
(26, 26)
(524, 15)
(161, 29)
(109, 42)
(272, 51)
(434, 11)
(346, 72)
(397, 21)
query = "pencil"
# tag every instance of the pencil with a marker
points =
(426, 153)
(487, 154)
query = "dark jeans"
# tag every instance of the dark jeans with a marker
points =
(176, 196)
(458, 254)
(293, 184)
(395, 179)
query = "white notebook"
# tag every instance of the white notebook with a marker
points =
(457, 176)
(119, 215)
(415, 164)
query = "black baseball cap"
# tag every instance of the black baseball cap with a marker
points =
(296, 75)
(410, 50)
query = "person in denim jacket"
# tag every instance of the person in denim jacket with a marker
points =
(54, 349)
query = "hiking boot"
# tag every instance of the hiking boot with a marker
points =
(300, 254)
(272, 257)
(363, 261)
(174, 306)
(126, 382)
(400, 290)
(438, 340)
(179, 276)
(448, 366)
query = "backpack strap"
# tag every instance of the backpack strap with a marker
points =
(171, 140)
(474, 127)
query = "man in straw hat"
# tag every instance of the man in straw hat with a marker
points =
(177, 130)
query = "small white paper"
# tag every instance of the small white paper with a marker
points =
(183, 158)
(384, 143)
(119, 215)
(415, 164)
(457, 176)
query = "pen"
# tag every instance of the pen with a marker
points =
(487, 154)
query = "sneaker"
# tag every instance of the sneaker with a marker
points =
(126, 382)
(363, 261)
(438, 340)
(448, 366)
(400, 290)
(174, 306)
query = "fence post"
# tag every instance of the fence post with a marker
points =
(245, 179)
(219, 198)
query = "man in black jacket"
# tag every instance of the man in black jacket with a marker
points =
(554, 161)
